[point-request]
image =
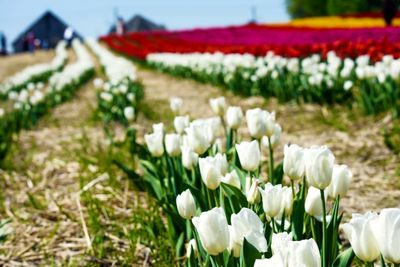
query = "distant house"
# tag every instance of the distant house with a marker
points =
(139, 23)
(48, 29)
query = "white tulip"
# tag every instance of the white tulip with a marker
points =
(319, 166)
(158, 127)
(247, 224)
(176, 104)
(155, 144)
(313, 204)
(2, 112)
(386, 230)
(260, 123)
(249, 155)
(279, 244)
(341, 178)
(129, 113)
(218, 105)
(252, 193)
(234, 117)
(293, 162)
(362, 240)
(232, 179)
(173, 144)
(181, 123)
(213, 230)
(212, 169)
(198, 138)
(189, 157)
(186, 205)
(274, 261)
(303, 253)
(272, 198)
(98, 83)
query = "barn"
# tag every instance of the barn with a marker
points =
(48, 29)
(138, 23)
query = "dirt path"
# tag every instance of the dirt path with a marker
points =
(357, 142)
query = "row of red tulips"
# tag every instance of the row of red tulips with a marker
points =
(259, 39)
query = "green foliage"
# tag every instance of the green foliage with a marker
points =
(312, 8)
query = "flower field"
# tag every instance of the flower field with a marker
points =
(349, 66)
(226, 148)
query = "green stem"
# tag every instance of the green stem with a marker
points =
(313, 228)
(292, 185)
(271, 161)
(209, 198)
(369, 264)
(324, 243)
(216, 197)
(273, 225)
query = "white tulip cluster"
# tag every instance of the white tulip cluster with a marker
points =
(118, 92)
(256, 68)
(231, 205)
(24, 77)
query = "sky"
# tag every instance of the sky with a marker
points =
(94, 17)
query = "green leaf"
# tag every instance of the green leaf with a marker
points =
(234, 193)
(345, 259)
(180, 245)
(249, 254)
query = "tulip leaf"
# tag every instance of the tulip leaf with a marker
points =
(191, 261)
(345, 259)
(249, 254)
(234, 193)
(180, 245)
(278, 174)
(298, 219)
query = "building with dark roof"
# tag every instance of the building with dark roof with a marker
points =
(48, 29)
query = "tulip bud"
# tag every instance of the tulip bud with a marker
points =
(341, 178)
(232, 179)
(247, 224)
(173, 144)
(155, 144)
(189, 158)
(359, 233)
(198, 138)
(274, 139)
(213, 230)
(260, 123)
(129, 113)
(249, 155)
(181, 123)
(313, 204)
(218, 105)
(186, 205)
(304, 253)
(272, 197)
(234, 246)
(192, 245)
(293, 162)
(212, 169)
(319, 166)
(234, 117)
(386, 230)
(176, 104)
(287, 200)
(158, 127)
(252, 193)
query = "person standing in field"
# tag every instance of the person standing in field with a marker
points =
(3, 44)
